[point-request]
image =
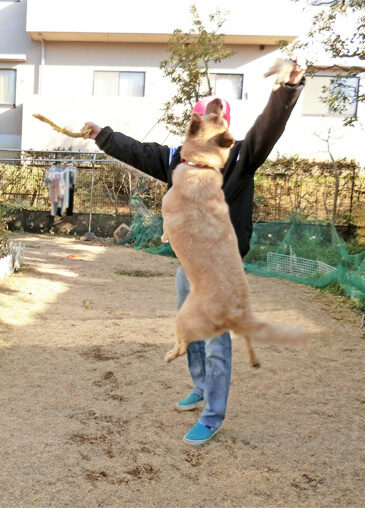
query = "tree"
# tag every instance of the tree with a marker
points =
(188, 67)
(327, 31)
(328, 140)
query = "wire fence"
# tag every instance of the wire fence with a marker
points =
(103, 185)
(283, 188)
(297, 266)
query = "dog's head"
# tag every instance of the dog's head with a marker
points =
(208, 140)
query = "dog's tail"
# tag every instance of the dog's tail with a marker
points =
(261, 332)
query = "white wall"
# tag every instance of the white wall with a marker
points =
(16, 52)
(161, 16)
(67, 99)
(67, 76)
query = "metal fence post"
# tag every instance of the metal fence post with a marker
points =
(89, 235)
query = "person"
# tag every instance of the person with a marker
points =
(210, 361)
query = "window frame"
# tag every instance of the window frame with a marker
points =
(329, 113)
(10, 105)
(144, 83)
(119, 74)
(214, 74)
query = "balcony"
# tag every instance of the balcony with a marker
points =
(118, 21)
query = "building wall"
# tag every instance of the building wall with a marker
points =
(112, 17)
(14, 47)
(67, 77)
(62, 87)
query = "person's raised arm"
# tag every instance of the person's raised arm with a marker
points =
(150, 158)
(270, 125)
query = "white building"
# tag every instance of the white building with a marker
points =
(82, 60)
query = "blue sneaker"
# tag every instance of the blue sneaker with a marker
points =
(190, 402)
(200, 434)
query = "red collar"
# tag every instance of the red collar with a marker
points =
(184, 161)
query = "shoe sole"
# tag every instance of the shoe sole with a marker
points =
(200, 442)
(190, 406)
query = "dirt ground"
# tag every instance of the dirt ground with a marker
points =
(87, 403)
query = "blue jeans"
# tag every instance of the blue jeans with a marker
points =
(210, 365)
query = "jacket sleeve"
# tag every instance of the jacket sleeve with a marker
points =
(268, 127)
(150, 158)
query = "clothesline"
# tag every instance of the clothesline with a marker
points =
(61, 181)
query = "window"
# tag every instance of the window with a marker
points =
(122, 84)
(7, 87)
(227, 86)
(327, 86)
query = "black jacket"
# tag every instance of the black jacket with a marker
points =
(245, 157)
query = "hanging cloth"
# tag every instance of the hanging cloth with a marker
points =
(60, 179)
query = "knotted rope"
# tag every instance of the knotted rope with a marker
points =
(62, 130)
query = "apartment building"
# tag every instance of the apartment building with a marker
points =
(82, 60)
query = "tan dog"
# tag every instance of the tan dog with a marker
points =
(198, 226)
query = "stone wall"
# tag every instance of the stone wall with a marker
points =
(77, 224)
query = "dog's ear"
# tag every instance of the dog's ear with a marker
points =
(215, 107)
(195, 124)
(225, 140)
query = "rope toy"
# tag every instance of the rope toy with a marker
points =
(62, 130)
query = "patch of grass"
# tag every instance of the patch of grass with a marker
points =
(337, 289)
(357, 305)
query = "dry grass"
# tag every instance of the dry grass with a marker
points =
(87, 403)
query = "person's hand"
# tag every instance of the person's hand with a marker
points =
(94, 130)
(299, 70)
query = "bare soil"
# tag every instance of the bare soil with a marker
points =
(87, 404)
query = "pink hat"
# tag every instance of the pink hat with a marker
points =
(201, 106)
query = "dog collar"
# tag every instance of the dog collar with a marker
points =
(196, 165)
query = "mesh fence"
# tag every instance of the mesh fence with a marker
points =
(278, 250)
(282, 186)
(300, 267)
(287, 185)
(310, 252)
(102, 183)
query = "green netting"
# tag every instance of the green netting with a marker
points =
(146, 232)
(312, 254)
(308, 253)
(146, 226)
